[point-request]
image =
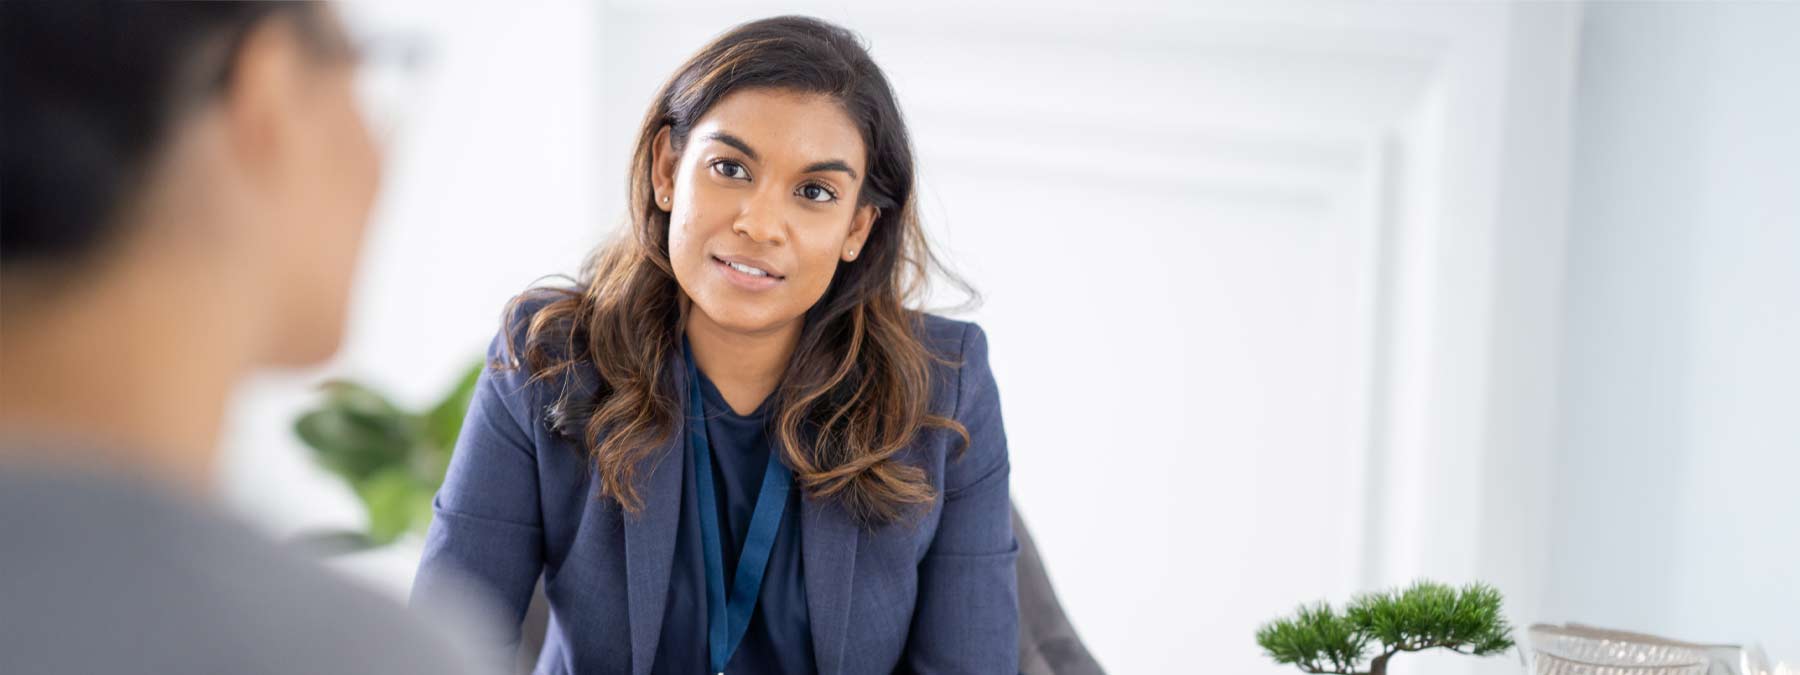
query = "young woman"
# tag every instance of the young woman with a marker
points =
(735, 447)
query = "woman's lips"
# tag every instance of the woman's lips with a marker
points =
(746, 281)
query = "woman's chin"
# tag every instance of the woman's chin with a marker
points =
(737, 320)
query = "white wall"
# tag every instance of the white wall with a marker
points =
(1678, 501)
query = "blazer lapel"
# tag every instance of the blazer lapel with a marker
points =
(828, 551)
(650, 543)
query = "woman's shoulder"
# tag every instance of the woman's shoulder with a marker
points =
(964, 390)
(953, 339)
(949, 337)
(535, 325)
(530, 312)
(534, 330)
(944, 335)
(962, 357)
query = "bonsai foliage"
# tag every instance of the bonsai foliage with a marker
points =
(1376, 626)
(393, 459)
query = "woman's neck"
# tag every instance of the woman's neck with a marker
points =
(746, 367)
(117, 377)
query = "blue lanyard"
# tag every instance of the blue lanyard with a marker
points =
(726, 622)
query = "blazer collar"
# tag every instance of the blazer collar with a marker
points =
(828, 539)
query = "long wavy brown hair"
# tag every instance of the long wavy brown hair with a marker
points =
(856, 390)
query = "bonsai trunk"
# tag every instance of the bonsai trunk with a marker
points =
(1378, 666)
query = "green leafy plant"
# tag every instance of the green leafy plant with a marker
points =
(1426, 615)
(393, 459)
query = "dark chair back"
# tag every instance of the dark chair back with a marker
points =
(1048, 645)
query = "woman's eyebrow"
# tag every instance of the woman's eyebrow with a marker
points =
(831, 165)
(735, 142)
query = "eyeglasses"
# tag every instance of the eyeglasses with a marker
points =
(387, 62)
(389, 68)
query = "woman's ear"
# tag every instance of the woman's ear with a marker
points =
(260, 101)
(860, 226)
(662, 169)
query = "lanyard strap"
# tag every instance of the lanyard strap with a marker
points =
(727, 621)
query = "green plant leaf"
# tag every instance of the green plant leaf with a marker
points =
(1429, 614)
(391, 497)
(443, 423)
(1426, 615)
(392, 458)
(351, 446)
(1316, 639)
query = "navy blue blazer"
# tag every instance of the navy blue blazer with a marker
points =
(935, 595)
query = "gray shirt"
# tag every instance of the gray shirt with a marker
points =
(102, 575)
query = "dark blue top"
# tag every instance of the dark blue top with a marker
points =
(778, 639)
(523, 500)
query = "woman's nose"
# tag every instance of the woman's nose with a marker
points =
(763, 218)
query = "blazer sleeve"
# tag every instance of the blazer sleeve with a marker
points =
(485, 547)
(966, 618)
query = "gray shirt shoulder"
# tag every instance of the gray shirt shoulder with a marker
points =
(104, 575)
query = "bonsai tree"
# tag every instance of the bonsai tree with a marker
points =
(393, 459)
(1376, 626)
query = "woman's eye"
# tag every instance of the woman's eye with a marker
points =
(817, 193)
(730, 169)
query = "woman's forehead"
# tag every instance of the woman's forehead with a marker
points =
(785, 126)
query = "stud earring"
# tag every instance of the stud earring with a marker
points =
(665, 199)
(852, 254)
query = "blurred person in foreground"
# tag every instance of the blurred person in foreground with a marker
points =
(185, 189)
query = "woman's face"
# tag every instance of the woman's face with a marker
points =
(310, 189)
(762, 207)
